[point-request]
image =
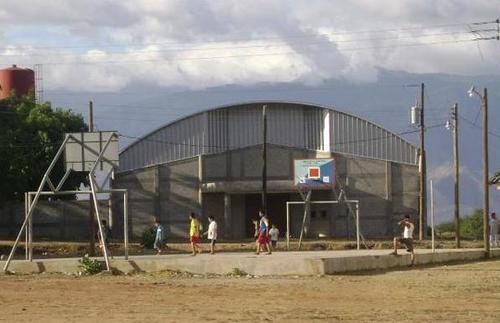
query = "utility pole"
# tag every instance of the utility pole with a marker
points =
(486, 184)
(423, 170)
(264, 159)
(91, 202)
(456, 162)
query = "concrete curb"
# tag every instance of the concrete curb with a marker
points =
(284, 263)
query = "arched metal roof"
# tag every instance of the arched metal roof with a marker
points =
(292, 124)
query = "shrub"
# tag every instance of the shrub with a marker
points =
(148, 238)
(471, 226)
(238, 272)
(90, 266)
(448, 226)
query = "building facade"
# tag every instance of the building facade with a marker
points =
(211, 163)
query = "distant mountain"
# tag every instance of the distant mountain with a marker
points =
(140, 108)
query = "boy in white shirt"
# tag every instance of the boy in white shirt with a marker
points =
(407, 238)
(274, 234)
(212, 233)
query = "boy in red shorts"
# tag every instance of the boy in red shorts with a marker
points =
(263, 234)
(194, 234)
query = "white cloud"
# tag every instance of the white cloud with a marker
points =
(106, 44)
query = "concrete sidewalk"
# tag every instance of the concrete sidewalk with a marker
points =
(301, 263)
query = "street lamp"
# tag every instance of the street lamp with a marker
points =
(486, 207)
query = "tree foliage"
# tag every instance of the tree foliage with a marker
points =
(30, 136)
(471, 226)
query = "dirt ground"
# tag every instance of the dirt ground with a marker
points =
(458, 293)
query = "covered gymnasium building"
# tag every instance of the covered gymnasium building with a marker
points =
(211, 163)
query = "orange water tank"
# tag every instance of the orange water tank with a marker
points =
(22, 80)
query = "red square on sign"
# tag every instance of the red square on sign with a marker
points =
(314, 172)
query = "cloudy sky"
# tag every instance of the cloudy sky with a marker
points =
(105, 45)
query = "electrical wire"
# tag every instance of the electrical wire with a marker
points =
(260, 46)
(251, 55)
(371, 31)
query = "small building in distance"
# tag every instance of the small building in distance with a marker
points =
(211, 163)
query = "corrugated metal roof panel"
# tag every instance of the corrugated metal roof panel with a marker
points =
(289, 124)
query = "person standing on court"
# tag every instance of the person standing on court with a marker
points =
(194, 234)
(160, 237)
(274, 234)
(407, 238)
(212, 233)
(493, 230)
(263, 237)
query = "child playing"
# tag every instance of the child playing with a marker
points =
(274, 234)
(194, 234)
(160, 237)
(263, 234)
(212, 233)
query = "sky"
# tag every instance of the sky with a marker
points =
(111, 46)
(106, 45)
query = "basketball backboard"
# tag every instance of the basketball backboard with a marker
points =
(83, 149)
(317, 173)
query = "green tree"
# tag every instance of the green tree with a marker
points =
(471, 226)
(30, 136)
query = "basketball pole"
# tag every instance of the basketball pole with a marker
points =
(307, 198)
(35, 201)
(91, 202)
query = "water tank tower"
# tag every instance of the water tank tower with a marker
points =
(22, 80)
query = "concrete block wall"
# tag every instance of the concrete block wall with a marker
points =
(59, 220)
(171, 191)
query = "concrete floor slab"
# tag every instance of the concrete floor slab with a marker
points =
(279, 263)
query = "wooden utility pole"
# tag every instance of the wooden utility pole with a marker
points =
(486, 184)
(456, 162)
(91, 202)
(264, 159)
(423, 170)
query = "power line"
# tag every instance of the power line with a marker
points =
(237, 147)
(222, 146)
(259, 46)
(287, 53)
(491, 133)
(370, 31)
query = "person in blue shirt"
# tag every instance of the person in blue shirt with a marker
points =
(263, 233)
(160, 237)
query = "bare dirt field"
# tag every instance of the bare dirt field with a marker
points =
(458, 293)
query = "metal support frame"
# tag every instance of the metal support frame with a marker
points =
(432, 217)
(307, 209)
(356, 202)
(30, 231)
(26, 233)
(27, 226)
